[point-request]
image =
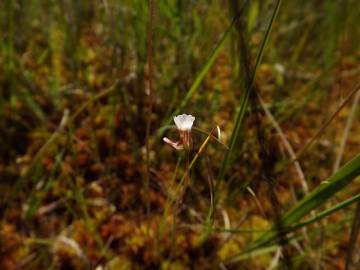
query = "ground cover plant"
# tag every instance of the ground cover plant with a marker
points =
(179, 134)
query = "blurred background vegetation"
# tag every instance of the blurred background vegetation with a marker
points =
(86, 181)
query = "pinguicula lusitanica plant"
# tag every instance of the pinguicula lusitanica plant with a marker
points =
(184, 124)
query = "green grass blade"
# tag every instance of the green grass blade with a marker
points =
(38, 197)
(261, 250)
(326, 213)
(245, 99)
(299, 225)
(333, 184)
(253, 251)
(201, 75)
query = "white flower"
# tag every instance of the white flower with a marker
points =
(184, 122)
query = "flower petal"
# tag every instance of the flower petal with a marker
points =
(184, 121)
(176, 145)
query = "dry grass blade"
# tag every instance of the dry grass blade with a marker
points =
(256, 201)
(211, 189)
(212, 137)
(201, 149)
(288, 147)
(326, 124)
(346, 132)
(93, 99)
(63, 123)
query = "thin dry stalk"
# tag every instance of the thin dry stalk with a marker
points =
(58, 131)
(288, 148)
(292, 155)
(256, 201)
(149, 91)
(326, 124)
(353, 237)
(346, 132)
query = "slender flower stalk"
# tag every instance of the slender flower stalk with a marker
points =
(184, 123)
